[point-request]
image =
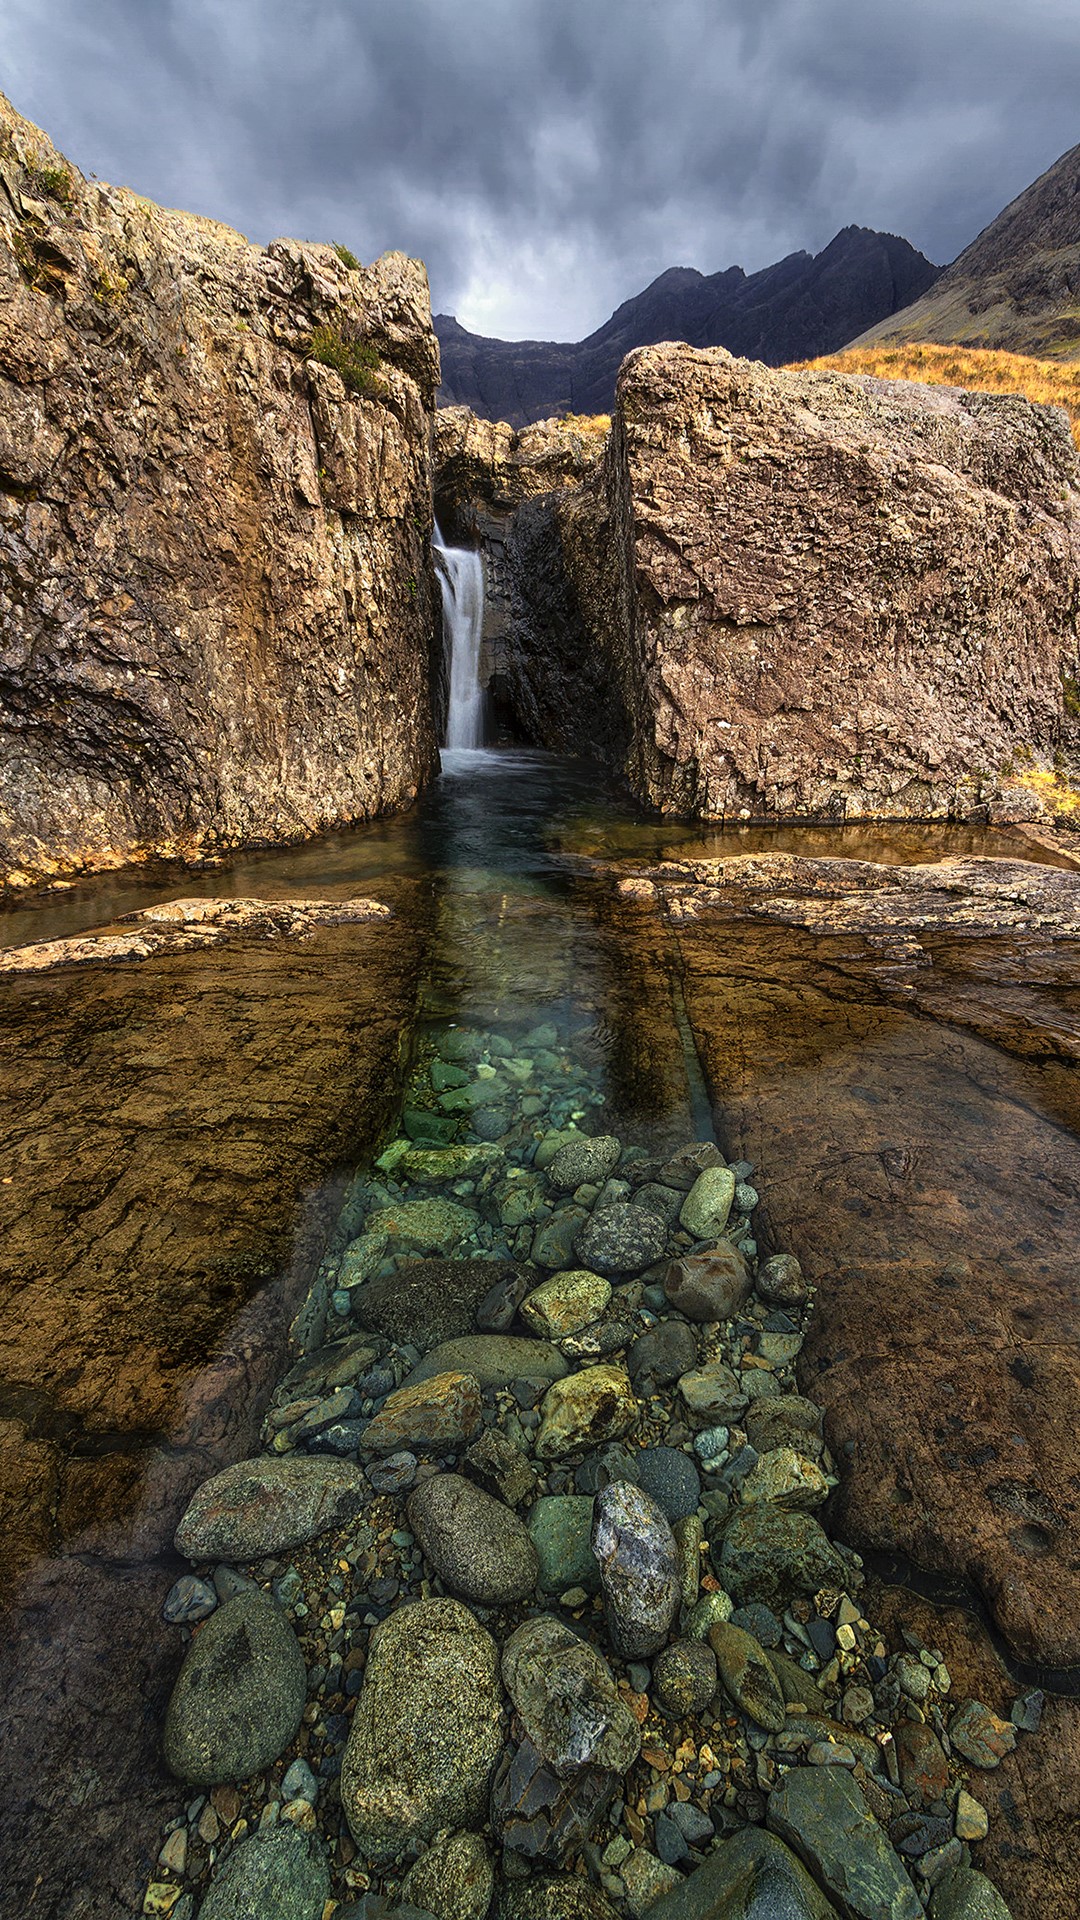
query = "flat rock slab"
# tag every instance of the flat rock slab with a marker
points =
(776, 1557)
(239, 1696)
(426, 1730)
(494, 1359)
(820, 1812)
(427, 1301)
(264, 1506)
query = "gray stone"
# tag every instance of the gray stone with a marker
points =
(713, 1395)
(276, 1874)
(820, 1812)
(499, 1306)
(395, 1474)
(621, 1239)
(426, 1731)
(560, 1526)
(769, 1555)
(684, 1678)
(671, 1479)
(584, 1161)
(713, 1285)
(752, 1876)
(780, 1281)
(494, 1359)
(553, 1896)
(565, 1695)
(238, 1697)
(566, 1303)
(663, 1201)
(748, 1675)
(188, 1599)
(639, 1569)
(260, 1507)
(663, 1353)
(500, 1467)
(705, 1210)
(786, 1478)
(453, 1880)
(789, 1421)
(967, 1895)
(431, 1226)
(646, 1880)
(555, 1240)
(477, 1546)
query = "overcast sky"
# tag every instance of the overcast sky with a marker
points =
(547, 158)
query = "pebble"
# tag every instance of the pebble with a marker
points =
(188, 1600)
(585, 1409)
(395, 1474)
(263, 1506)
(684, 1677)
(704, 1212)
(620, 1239)
(566, 1303)
(476, 1544)
(639, 1571)
(440, 1415)
(780, 1281)
(565, 1694)
(979, 1736)
(670, 1478)
(747, 1675)
(708, 1286)
(239, 1695)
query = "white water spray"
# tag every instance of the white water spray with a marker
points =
(461, 579)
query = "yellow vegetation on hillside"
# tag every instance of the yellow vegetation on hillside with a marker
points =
(595, 424)
(986, 369)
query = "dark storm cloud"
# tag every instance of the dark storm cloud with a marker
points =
(548, 157)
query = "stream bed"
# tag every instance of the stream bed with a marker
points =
(188, 1159)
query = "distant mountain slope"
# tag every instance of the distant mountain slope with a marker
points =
(1017, 286)
(806, 304)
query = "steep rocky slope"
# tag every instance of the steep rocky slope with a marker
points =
(804, 593)
(214, 587)
(1017, 285)
(804, 305)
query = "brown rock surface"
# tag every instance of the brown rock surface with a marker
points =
(845, 1014)
(797, 592)
(232, 641)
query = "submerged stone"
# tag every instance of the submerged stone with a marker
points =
(259, 1507)
(585, 1409)
(566, 1303)
(752, 1876)
(705, 1210)
(773, 1556)
(239, 1695)
(438, 1415)
(565, 1693)
(639, 1569)
(477, 1546)
(820, 1812)
(428, 1301)
(620, 1239)
(494, 1359)
(278, 1873)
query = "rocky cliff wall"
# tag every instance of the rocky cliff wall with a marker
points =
(804, 593)
(215, 591)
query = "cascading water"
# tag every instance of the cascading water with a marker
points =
(461, 579)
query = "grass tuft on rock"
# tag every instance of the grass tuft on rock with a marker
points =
(356, 360)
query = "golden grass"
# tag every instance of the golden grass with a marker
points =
(1053, 789)
(986, 369)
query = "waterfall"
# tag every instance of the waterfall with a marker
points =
(461, 579)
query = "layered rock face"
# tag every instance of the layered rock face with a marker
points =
(803, 593)
(215, 594)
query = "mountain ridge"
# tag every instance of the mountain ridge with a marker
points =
(803, 305)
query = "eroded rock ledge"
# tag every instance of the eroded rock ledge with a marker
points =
(797, 593)
(178, 926)
(215, 590)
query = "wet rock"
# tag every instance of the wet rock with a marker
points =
(425, 1732)
(584, 1161)
(752, 1876)
(620, 1239)
(780, 1281)
(340, 1364)
(708, 1286)
(665, 1202)
(560, 1526)
(711, 1610)
(786, 1479)
(586, 1408)
(565, 1695)
(972, 1820)
(980, 1736)
(557, 1896)
(262, 1506)
(276, 1874)
(239, 1695)
(789, 1421)
(646, 1879)
(663, 1353)
(748, 1675)
(967, 1895)
(671, 1479)
(684, 1678)
(704, 1212)
(639, 1570)
(477, 1546)
(428, 1301)
(493, 1358)
(924, 1770)
(820, 1812)
(188, 1600)
(540, 1815)
(566, 1303)
(500, 1467)
(713, 1395)
(445, 1164)
(498, 1308)
(395, 1474)
(776, 1557)
(438, 1415)
(555, 1241)
(453, 1880)
(431, 1226)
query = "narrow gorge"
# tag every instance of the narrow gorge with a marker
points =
(538, 1362)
